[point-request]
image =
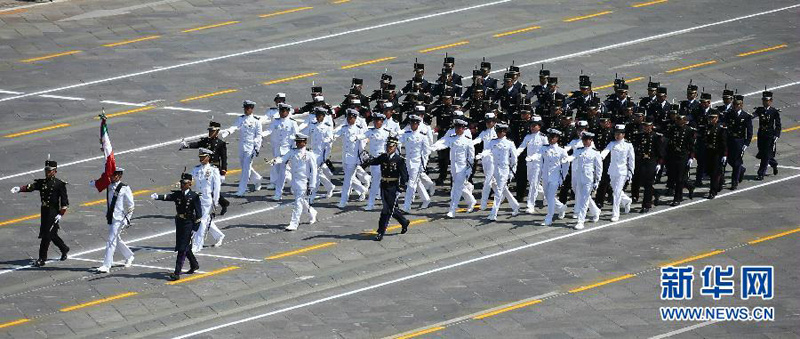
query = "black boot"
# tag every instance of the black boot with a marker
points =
(741, 175)
(711, 195)
(64, 254)
(224, 203)
(691, 193)
(173, 277)
(193, 269)
(405, 227)
(774, 170)
(330, 165)
(39, 263)
(379, 237)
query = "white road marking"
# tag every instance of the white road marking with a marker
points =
(114, 102)
(218, 220)
(31, 5)
(112, 12)
(685, 329)
(477, 259)
(171, 142)
(2, 91)
(790, 167)
(283, 45)
(201, 254)
(185, 109)
(61, 97)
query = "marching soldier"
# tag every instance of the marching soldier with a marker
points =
(219, 155)
(616, 104)
(658, 110)
(651, 94)
(444, 118)
(377, 136)
(303, 164)
(715, 141)
(518, 129)
(119, 198)
(603, 136)
(394, 178)
(648, 150)
(679, 147)
(769, 130)
(462, 153)
(53, 193)
(320, 133)
(508, 96)
(417, 146)
(727, 104)
(422, 85)
(489, 82)
(690, 104)
(539, 90)
(620, 170)
(250, 129)
(579, 100)
(351, 149)
(553, 160)
(532, 144)
(281, 131)
(187, 220)
(740, 132)
(700, 121)
(208, 186)
(481, 142)
(504, 161)
(586, 171)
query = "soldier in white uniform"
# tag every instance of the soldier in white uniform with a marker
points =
(504, 157)
(208, 185)
(320, 138)
(281, 132)
(119, 204)
(376, 136)
(417, 146)
(532, 144)
(554, 164)
(620, 170)
(303, 164)
(462, 156)
(580, 128)
(351, 148)
(587, 169)
(426, 130)
(250, 128)
(487, 164)
(390, 124)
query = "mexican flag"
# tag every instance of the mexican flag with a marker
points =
(111, 164)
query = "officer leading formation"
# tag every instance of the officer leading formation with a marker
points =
(495, 134)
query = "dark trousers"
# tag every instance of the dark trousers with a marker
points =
(700, 156)
(389, 209)
(48, 232)
(182, 255)
(766, 153)
(521, 178)
(604, 188)
(713, 160)
(644, 176)
(443, 160)
(677, 170)
(735, 159)
(566, 189)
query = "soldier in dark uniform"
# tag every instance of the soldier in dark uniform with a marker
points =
(616, 104)
(593, 115)
(489, 82)
(187, 221)
(444, 117)
(727, 104)
(651, 94)
(377, 94)
(580, 100)
(541, 88)
(356, 85)
(603, 136)
(508, 96)
(648, 148)
(423, 85)
(456, 79)
(394, 177)
(308, 107)
(690, 104)
(636, 125)
(549, 96)
(715, 142)
(769, 130)
(219, 157)
(517, 130)
(658, 110)
(740, 132)
(700, 122)
(680, 144)
(53, 193)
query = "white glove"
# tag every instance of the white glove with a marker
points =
(744, 148)
(58, 218)
(224, 133)
(91, 182)
(154, 196)
(222, 178)
(15, 189)
(184, 144)
(353, 138)
(690, 163)
(724, 159)
(568, 159)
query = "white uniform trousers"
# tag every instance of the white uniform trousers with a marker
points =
(584, 202)
(414, 184)
(553, 204)
(534, 175)
(461, 189)
(375, 185)
(488, 181)
(206, 224)
(324, 177)
(502, 193)
(620, 198)
(113, 242)
(248, 173)
(301, 203)
(350, 180)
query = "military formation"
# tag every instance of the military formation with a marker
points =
(517, 142)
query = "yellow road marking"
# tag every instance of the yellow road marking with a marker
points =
(692, 66)
(50, 56)
(341, 1)
(587, 16)
(226, 23)
(605, 282)
(506, 309)
(234, 171)
(367, 62)
(99, 301)
(306, 75)
(15, 322)
(443, 46)
(140, 109)
(285, 12)
(526, 29)
(396, 227)
(419, 333)
(478, 205)
(115, 44)
(199, 276)
(762, 50)
(12, 221)
(100, 201)
(775, 236)
(19, 134)
(648, 3)
(612, 84)
(302, 250)
(690, 259)
(209, 95)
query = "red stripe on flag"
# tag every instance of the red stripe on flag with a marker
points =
(111, 163)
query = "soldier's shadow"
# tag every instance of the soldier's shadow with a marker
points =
(148, 275)
(15, 263)
(153, 216)
(250, 226)
(48, 267)
(354, 236)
